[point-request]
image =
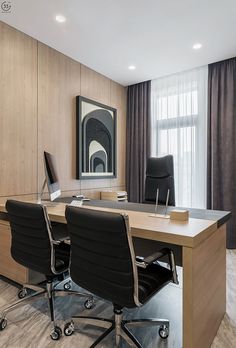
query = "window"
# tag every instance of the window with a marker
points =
(179, 110)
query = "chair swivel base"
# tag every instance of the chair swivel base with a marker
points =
(49, 293)
(119, 326)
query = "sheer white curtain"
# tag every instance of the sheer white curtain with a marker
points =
(179, 122)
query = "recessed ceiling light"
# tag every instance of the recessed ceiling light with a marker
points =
(197, 46)
(132, 67)
(60, 18)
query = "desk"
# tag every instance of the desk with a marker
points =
(203, 244)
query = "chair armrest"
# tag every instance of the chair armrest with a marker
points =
(56, 242)
(61, 240)
(153, 257)
(140, 263)
(143, 262)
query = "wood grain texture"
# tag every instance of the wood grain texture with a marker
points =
(58, 86)
(18, 112)
(118, 101)
(204, 290)
(38, 86)
(184, 233)
(96, 87)
(8, 267)
(142, 225)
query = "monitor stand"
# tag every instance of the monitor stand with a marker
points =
(45, 202)
(40, 194)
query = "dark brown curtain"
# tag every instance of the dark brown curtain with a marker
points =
(222, 141)
(137, 138)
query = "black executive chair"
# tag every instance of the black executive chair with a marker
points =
(103, 262)
(34, 247)
(160, 175)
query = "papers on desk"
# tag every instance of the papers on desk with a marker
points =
(76, 203)
(162, 216)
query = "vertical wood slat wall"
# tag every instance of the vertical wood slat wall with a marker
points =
(38, 86)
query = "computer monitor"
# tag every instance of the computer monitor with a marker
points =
(51, 177)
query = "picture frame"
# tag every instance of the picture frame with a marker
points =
(95, 140)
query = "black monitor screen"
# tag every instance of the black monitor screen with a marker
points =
(51, 176)
(50, 167)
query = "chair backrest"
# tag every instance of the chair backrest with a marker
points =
(30, 230)
(160, 174)
(102, 255)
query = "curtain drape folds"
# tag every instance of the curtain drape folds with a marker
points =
(179, 120)
(222, 142)
(137, 139)
(191, 115)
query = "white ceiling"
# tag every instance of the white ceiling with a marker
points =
(109, 35)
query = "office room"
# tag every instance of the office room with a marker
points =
(117, 174)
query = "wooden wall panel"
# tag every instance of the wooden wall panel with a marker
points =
(96, 87)
(38, 86)
(58, 85)
(118, 101)
(18, 112)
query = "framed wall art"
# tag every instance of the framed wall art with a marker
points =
(96, 139)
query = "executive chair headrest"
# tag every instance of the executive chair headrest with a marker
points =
(160, 167)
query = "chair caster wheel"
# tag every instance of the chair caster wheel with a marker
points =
(163, 332)
(67, 286)
(22, 293)
(69, 329)
(3, 324)
(89, 304)
(56, 333)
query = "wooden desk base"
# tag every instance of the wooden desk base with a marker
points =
(204, 290)
(203, 259)
(10, 268)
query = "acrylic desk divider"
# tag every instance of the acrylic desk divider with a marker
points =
(162, 216)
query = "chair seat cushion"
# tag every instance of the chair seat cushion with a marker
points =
(152, 279)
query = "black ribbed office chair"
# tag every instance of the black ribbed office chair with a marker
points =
(103, 262)
(34, 247)
(160, 175)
